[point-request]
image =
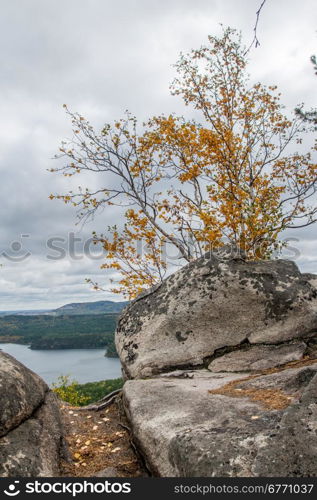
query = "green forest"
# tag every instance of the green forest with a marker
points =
(82, 394)
(93, 391)
(85, 331)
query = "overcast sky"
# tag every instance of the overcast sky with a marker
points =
(102, 57)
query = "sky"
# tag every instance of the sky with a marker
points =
(101, 57)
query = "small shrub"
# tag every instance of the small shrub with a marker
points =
(67, 390)
(82, 394)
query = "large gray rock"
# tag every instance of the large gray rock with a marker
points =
(211, 306)
(221, 425)
(21, 391)
(31, 434)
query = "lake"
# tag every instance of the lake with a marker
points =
(83, 365)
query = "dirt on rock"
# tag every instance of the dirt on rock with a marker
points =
(99, 443)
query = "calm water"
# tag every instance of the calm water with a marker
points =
(83, 365)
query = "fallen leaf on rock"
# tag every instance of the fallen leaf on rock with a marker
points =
(92, 451)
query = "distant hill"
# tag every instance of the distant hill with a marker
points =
(21, 312)
(100, 307)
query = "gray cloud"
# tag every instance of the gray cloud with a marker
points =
(102, 57)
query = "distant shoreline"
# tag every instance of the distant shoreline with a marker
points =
(82, 365)
(57, 332)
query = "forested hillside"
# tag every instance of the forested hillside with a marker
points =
(60, 332)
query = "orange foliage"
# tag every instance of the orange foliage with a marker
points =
(193, 184)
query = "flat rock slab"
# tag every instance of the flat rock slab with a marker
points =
(200, 424)
(257, 358)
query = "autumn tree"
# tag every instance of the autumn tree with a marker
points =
(228, 174)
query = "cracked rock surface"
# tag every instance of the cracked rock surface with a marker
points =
(226, 425)
(220, 363)
(31, 437)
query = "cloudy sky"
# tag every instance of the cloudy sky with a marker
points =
(102, 57)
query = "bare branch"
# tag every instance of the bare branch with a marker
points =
(255, 40)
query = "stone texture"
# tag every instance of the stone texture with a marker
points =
(107, 472)
(21, 392)
(258, 358)
(312, 278)
(184, 430)
(213, 303)
(292, 450)
(31, 442)
(250, 414)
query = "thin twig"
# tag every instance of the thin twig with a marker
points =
(255, 40)
(102, 403)
(108, 396)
